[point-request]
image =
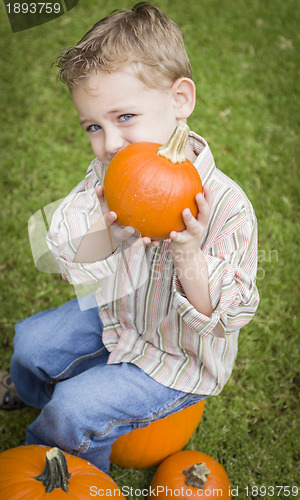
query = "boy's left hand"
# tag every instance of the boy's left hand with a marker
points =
(190, 238)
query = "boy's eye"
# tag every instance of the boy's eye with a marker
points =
(93, 128)
(124, 118)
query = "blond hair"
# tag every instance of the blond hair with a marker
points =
(143, 36)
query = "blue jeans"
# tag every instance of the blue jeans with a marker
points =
(60, 366)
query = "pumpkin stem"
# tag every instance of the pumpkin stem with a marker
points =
(197, 475)
(55, 473)
(174, 149)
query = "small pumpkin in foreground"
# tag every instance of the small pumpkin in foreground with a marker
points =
(37, 472)
(185, 473)
(148, 185)
(147, 447)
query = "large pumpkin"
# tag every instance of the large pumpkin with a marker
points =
(148, 447)
(190, 474)
(39, 472)
(149, 185)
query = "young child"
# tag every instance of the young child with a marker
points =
(162, 332)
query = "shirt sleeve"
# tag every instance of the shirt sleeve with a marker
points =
(70, 223)
(232, 266)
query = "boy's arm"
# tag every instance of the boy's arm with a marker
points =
(188, 258)
(193, 275)
(76, 217)
(230, 253)
(105, 235)
(96, 244)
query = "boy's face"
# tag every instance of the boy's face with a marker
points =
(117, 109)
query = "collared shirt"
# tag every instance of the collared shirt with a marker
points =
(147, 319)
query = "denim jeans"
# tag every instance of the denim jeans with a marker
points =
(60, 366)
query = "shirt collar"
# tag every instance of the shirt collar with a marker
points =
(204, 162)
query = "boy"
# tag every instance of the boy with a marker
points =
(162, 331)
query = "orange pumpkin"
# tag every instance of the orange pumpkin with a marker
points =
(148, 185)
(148, 447)
(39, 472)
(185, 473)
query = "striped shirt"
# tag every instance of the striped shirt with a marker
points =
(147, 319)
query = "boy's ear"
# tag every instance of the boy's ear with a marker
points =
(184, 97)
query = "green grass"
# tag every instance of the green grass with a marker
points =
(245, 58)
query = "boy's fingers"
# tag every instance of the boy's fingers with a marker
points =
(191, 223)
(204, 202)
(110, 218)
(177, 237)
(208, 195)
(203, 206)
(127, 232)
(100, 191)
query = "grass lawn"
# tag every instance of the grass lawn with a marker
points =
(245, 59)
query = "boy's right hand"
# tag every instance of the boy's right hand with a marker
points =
(118, 233)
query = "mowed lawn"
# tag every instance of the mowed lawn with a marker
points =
(245, 60)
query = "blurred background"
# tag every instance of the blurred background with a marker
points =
(245, 61)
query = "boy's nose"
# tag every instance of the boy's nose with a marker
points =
(114, 142)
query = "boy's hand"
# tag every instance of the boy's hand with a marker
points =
(118, 233)
(190, 238)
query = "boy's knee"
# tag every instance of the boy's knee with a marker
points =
(26, 338)
(30, 342)
(65, 409)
